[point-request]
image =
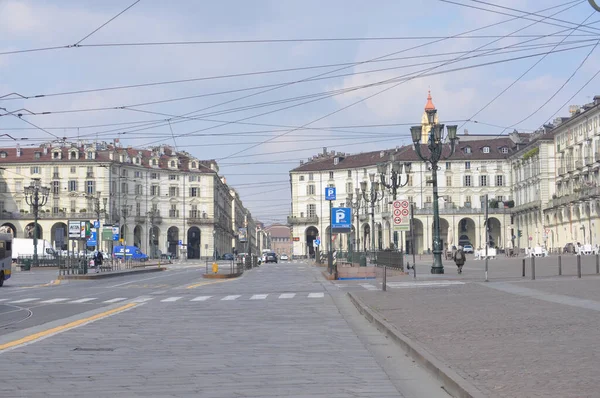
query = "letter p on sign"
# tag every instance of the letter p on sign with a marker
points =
(339, 216)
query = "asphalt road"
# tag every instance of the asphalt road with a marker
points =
(278, 331)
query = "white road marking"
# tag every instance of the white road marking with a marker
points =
(115, 300)
(201, 298)
(4, 299)
(287, 295)
(84, 300)
(316, 295)
(368, 286)
(232, 297)
(56, 300)
(170, 299)
(142, 299)
(24, 300)
(259, 297)
(423, 284)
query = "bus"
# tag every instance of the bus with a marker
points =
(5, 257)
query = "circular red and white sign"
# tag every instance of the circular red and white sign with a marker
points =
(405, 204)
(397, 204)
(397, 220)
(405, 212)
(397, 212)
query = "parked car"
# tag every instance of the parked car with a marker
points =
(228, 257)
(130, 252)
(284, 257)
(271, 258)
(468, 249)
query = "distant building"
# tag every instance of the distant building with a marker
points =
(281, 239)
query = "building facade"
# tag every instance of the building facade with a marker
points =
(161, 200)
(572, 215)
(281, 239)
(480, 166)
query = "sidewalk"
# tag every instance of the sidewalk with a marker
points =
(499, 339)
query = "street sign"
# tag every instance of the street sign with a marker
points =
(330, 193)
(93, 240)
(401, 215)
(115, 232)
(179, 243)
(96, 224)
(341, 219)
(74, 229)
(317, 241)
(531, 238)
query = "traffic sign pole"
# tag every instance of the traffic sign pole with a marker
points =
(329, 251)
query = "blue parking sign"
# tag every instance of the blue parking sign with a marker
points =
(341, 219)
(330, 193)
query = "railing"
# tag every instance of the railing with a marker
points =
(464, 210)
(48, 216)
(302, 220)
(529, 205)
(200, 220)
(140, 219)
(55, 175)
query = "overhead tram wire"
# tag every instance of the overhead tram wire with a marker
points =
(521, 76)
(373, 59)
(525, 12)
(78, 44)
(246, 107)
(19, 96)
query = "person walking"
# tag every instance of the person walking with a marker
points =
(98, 261)
(459, 258)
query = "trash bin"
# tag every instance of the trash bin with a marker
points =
(363, 261)
(26, 266)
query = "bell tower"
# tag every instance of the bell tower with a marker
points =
(425, 126)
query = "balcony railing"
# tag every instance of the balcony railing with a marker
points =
(579, 164)
(302, 220)
(570, 167)
(463, 210)
(562, 170)
(49, 216)
(55, 175)
(589, 160)
(140, 219)
(534, 204)
(90, 174)
(200, 220)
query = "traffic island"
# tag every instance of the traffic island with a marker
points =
(110, 274)
(222, 276)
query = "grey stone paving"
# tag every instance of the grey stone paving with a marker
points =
(239, 348)
(507, 345)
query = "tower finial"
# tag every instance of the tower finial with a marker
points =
(429, 105)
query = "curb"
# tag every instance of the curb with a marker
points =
(222, 276)
(108, 274)
(452, 382)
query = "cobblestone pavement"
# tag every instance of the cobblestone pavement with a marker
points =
(505, 344)
(274, 333)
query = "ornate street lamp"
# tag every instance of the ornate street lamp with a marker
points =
(436, 146)
(375, 195)
(398, 170)
(594, 5)
(355, 205)
(36, 196)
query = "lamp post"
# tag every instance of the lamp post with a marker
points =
(36, 196)
(125, 209)
(153, 214)
(98, 210)
(594, 5)
(371, 197)
(398, 170)
(355, 205)
(214, 245)
(435, 145)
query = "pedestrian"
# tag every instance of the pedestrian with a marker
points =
(98, 261)
(459, 258)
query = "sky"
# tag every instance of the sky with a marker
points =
(241, 81)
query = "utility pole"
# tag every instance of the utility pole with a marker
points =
(36, 196)
(486, 226)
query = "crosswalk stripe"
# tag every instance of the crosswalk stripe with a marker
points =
(316, 295)
(115, 300)
(24, 300)
(170, 299)
(259, 297)
(424, 283)
(84, 300)
(142, 299)
(287, 295)
(56, 300)
(368, 286)
(232, 297)
(201, 298)
(4, 300)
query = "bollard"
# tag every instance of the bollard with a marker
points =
(579, 266)
(384, 286)
(532, 268)
(597, 263)
(559, 265)
(523, 267)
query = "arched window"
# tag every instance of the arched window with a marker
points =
(73, 155)
(193, 165)
(153, 162)
(172, 163)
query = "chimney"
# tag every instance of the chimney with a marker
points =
(573, 109)
(18, 150)
(324, 150)
(596, 99)
(466, 132)
(45, 149)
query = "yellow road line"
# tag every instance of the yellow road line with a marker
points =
(63, 328)
(208, 283)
